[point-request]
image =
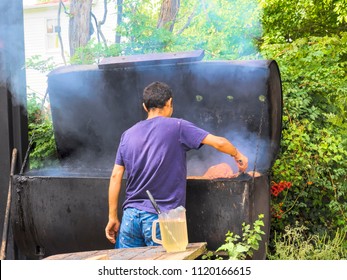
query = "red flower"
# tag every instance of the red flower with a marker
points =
(277, 188)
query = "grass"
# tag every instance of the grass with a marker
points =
(296, 244)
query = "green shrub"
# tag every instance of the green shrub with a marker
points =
(314, 134)
(43, 148)
(239, 248)
(296, 243)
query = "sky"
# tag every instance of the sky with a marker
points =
(28, 2)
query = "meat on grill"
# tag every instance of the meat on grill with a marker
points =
(222, 170)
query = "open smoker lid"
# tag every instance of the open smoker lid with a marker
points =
(240, 100)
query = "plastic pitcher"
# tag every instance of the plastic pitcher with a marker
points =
(173, 230)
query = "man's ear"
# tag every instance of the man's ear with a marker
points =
(144, 107)
(170, 102)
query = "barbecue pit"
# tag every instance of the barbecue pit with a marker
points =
(64, 209)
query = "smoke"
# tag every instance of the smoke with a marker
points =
(91, 108)
(232, 100)
(230, 28)
(12, 73)
(256, 149)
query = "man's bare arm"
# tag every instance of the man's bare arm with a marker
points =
(225, 146)
(115, 185)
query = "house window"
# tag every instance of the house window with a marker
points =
(52, 34)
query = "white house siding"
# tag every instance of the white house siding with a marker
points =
(35, 37)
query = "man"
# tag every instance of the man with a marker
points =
(153, 153)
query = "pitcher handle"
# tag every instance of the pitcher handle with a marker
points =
(154, 230)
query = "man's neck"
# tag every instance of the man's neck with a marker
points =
(156, 113)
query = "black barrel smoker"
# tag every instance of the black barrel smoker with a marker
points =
(65, 209)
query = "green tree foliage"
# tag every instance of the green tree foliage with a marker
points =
(313, 63)
(224, 29)
(286, 21)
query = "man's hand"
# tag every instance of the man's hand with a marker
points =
(113, 224)
(241, 161)
(111, 230)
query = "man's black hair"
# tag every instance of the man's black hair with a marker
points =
(156, 94)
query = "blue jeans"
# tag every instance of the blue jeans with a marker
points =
(136, 229)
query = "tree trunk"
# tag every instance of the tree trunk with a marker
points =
(79, 24)
(168, 12)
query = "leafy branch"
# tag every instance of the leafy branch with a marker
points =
(239, 248)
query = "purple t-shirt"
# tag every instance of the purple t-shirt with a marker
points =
(153, 152)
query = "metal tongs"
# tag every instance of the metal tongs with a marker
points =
(154, 203)
(244, 176)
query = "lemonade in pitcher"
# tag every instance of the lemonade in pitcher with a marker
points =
(173, 230)
(174, 235)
